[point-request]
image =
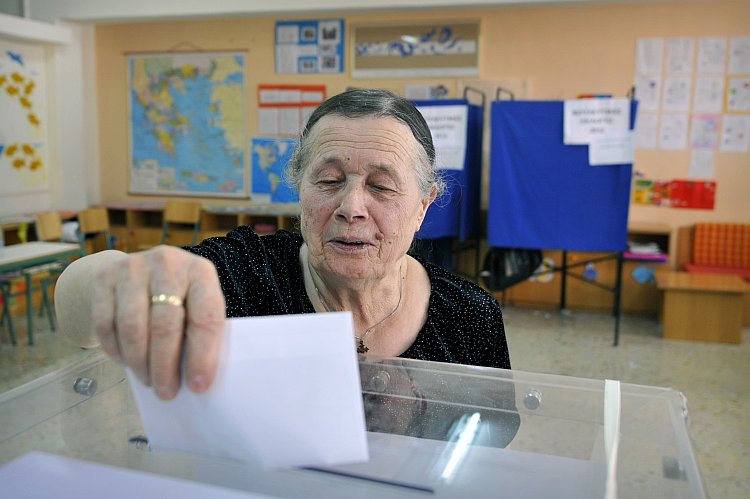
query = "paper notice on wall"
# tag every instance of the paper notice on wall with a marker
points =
(586, 120)
(701, 164)
(649, 55)
(739, 55)
(735, 134)
(738, 95)
(704, 132)
(673, 131)
(712, 54)
(709, 94)
(676, 96)
(611, 151)
(680, 55)
(449, 126)
(648, 92)
(425, 91)
(646, 130)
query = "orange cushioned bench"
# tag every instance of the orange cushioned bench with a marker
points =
(717, 248)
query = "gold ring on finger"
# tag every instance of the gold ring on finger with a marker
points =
(161, 299)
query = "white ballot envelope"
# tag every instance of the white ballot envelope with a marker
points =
(287, 393)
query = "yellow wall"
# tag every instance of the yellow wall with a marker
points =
(561, 51)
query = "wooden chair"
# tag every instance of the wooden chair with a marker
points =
(179, 217)
(185, 214)
(94, 230)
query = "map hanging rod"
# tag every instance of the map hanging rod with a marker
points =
(183, 46)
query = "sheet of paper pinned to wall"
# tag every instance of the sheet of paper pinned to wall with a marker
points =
(673, 129)
(648, 92)
(287, 393)
(676, 96)
(709, 94)
(611, 151)
(680, 54)
(712, 55)
(739, 55)
(735, 133)
(646, 130)
(649, 55)
(586, 120)
(701, 164)
(738, 95)
(449, 126)
(704, 132)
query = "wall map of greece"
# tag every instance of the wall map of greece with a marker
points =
(187, 124)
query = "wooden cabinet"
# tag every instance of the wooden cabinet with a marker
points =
(639, 294)
(139, 225)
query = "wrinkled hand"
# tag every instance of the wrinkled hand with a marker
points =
(149, 338)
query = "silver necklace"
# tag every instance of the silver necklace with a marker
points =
(361, 347)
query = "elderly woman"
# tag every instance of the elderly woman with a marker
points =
(365, 173)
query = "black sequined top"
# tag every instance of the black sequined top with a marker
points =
(262, 275)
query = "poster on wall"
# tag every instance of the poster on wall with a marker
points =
(24, 161)
(270, 157)
(438, 49)
(692, 194)
(310, 46)
(283, 110)
(187, 124)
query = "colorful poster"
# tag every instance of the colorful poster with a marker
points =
(305, 47)
(187, 124)
(693, 194)
(24, 162)
(270, 157)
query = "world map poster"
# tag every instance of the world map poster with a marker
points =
(24, 163)
(270, 157)
(187, 124)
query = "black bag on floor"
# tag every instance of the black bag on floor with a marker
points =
(504, 267)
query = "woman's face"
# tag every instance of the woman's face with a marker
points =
(360, 200)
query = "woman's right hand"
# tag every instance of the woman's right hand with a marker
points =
(147, 337)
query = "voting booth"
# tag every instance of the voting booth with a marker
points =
(456, 127)
(556, 186)
(433, 429)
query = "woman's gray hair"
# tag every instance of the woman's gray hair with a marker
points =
(360, 103)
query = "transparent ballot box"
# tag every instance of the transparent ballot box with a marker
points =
(433, 429)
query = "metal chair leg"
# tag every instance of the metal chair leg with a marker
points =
(6, 317)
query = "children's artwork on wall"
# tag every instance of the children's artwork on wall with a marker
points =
(24, 163)
(693, 194)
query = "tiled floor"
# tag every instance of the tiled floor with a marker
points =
(714, 377)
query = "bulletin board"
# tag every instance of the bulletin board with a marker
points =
(543, 193)
(426, 49)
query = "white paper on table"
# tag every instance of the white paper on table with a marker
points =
(287, 393)
(611, 151)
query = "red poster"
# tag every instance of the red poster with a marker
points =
(695, 194)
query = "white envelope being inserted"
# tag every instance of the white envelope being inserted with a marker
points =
(287, 393)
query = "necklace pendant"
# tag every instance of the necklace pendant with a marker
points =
(361, 347)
